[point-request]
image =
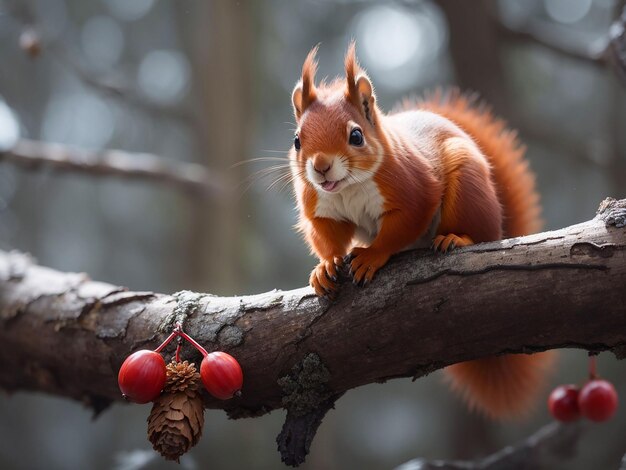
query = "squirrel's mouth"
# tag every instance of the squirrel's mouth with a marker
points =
(330, 186)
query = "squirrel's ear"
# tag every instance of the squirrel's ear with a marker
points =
(365, 88)
(359, 87)
(304, 93)
(296, 100)
(367, 98)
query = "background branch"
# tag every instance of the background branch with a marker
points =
(552, 440)
(190, 177)
(550, 37)
(424, 312)
(609, 50)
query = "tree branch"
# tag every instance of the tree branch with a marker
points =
(191, 177)
(67, 335)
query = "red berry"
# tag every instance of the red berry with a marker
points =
(221, 375)
(142, 376)
(598, 400)
(563, 403)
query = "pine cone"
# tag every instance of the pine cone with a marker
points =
(177, 416)
(181, 376)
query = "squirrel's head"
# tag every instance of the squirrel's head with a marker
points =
(338, 140)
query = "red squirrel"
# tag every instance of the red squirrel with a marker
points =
(441, 172)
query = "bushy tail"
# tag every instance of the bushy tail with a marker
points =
(502, 387)
(505, 386)
(514, 181)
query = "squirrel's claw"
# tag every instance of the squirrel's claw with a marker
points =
(347, 260)
(364, 262)
(445, 243)
(324, 278)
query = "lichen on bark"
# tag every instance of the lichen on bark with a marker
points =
(188, 303)
(613, 212)
(305, 387)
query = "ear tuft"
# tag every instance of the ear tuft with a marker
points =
(304, 93)
(309, 69)
(359, 89)
(352, 68)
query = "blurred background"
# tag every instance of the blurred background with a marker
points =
(209, 82)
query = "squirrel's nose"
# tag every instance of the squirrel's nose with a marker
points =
(322, 167)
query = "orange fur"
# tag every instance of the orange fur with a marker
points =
(444, 156)
(470, 205)
(502, 387)
(513, 180)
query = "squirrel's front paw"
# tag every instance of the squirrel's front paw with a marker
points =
(324, 278)
(364, 262)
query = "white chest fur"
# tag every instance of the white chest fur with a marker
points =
(361, 204)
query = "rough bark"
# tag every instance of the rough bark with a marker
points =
(65, 334)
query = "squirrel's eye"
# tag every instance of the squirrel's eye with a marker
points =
(356, 137)
(296, 142)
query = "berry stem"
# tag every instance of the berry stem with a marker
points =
(193, 342)
(178, 332)
(167, 341)
(592, 367)
(178, 348)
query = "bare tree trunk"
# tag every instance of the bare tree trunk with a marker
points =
(475, 52)
(218, 42)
